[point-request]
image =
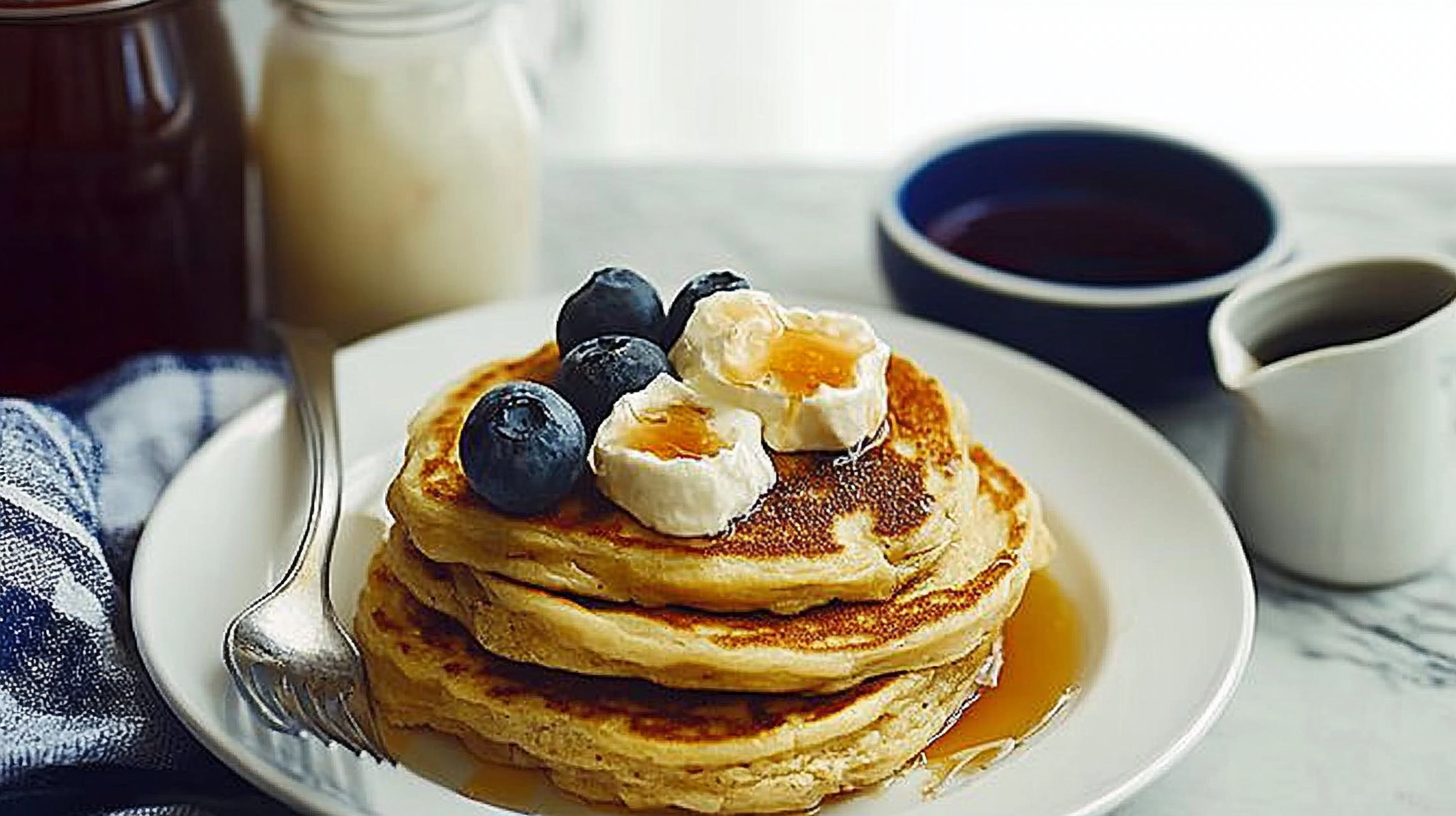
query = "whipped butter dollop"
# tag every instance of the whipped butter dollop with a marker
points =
(679, 463)
(816, 379)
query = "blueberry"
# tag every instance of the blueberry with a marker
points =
(612, 301)
(696, 289)
(595, 374)
(522, 447)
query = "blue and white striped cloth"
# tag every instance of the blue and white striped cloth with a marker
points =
(82, 730)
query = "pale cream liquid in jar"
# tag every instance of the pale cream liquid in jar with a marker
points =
(399, 161)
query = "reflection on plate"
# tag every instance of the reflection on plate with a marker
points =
(1148, 557)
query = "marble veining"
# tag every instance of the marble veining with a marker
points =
(1405, 634)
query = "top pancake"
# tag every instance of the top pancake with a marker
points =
(833, 527)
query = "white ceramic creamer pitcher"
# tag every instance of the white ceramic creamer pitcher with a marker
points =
(1343, 460)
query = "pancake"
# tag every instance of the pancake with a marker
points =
(938, 618)
(641, 745)
(834, 527)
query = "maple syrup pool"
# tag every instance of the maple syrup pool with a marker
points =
(1052, 645)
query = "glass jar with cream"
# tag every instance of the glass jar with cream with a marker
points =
(397, 142)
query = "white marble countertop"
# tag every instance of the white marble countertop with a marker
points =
(1349, 703)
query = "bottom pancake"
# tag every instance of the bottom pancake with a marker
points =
(640, 745)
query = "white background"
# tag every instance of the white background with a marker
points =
(862, 81)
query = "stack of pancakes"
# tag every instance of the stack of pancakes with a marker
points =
(816, 647)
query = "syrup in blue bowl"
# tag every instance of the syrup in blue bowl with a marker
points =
(1085, 238)
(1099, 249)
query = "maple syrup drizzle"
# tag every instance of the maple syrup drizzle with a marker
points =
(1041, 663)
(679, 431)
(802, 360)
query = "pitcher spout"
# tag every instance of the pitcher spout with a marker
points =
(1283, 320)
(1234, 364)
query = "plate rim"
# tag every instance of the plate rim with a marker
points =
(277, 783)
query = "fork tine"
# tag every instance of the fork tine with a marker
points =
(265, 705)
(300, 698)
(288, 699)
(316, 707)
(368, 742)
(369, 739)
(366, 738)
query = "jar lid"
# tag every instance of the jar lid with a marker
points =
(37, 9)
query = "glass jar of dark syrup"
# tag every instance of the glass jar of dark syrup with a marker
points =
(122, 200)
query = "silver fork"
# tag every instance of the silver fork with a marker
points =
(297, 667)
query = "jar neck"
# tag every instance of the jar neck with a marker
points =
(386, 18)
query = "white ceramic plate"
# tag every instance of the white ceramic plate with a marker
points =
(1149, 557)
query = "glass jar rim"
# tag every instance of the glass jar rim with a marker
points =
(48, 9)
(386, 17)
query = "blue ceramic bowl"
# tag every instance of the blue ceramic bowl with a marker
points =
(1102, 250)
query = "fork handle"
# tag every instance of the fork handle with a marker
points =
(311, 359)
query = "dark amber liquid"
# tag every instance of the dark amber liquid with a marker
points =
(1084, 239)
(675, 432)
(121, 191)
(1327, 332)
(1042, 661)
